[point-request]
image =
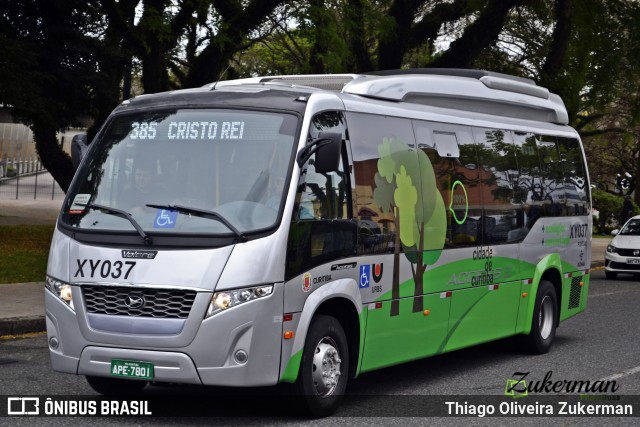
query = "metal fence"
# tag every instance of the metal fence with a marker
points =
(27, 180)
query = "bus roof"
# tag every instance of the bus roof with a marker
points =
(474, 91)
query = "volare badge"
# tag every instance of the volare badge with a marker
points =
(306, 282)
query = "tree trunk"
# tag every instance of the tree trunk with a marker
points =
(418, 278)
(53, 158)
(559, 45)
(319, 49)
(395, 289)
(393, 45)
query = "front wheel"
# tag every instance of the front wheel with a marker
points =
(545, 315)
(324, 367)
(115, 386)
(611, 275)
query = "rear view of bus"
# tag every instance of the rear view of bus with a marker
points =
(306, 229)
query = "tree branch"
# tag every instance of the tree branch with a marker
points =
(479, 35)
(121, 16)
(428, 27)
(595, 132)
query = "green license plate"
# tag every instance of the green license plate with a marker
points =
(132, 369)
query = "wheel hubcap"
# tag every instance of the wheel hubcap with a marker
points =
(326, 367)
(545, 320)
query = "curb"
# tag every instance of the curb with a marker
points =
(22, 325)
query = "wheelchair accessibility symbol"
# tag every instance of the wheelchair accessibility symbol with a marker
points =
(165, 219)
(365, 275)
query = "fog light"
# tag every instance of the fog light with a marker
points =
(53, 343)
(241, 357)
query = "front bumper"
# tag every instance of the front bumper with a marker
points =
(202, 352)
(616, 263)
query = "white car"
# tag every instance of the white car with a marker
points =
(623, 253)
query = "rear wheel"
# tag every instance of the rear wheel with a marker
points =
(115, 386)
(543, 327)
(324, 367)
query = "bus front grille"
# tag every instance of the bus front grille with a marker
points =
(126, 301)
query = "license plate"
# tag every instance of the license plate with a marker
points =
(132, 369)
(633, 260)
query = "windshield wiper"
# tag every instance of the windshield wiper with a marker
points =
(125, 215)
(203, 213)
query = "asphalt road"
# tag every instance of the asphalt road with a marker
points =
(600, 344)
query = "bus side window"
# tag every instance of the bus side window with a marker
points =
(453, 155)
(530, 182)
(576, 185)
(321, 230)
(551, 169)
(381, 146)
(323, 195)
(502, 217)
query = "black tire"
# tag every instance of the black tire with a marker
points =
(115, 386)
(320, 397)
(611, 275)
(544, 322)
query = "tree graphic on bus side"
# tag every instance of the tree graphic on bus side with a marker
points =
(406, 187)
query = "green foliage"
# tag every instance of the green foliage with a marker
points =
(609, 207)
(406, 197)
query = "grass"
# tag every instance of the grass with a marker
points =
(24, 251)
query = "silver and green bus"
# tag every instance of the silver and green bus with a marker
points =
(308, 229)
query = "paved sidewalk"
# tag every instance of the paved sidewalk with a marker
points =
(21, 308)
(22, 304)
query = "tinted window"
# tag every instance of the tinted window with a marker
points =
(576, 184)
(502, 218)
(457, 175)
(530, 181)
(378, 145)
(551, 171)
(321, 230)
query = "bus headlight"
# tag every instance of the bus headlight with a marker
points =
(60, 289)
(221, 301)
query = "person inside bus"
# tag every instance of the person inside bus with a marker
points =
(145, 187)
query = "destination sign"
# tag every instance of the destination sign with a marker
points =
(189, 130)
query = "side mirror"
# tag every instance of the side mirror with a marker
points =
(327, 148)
(615, 232)
(78, 149)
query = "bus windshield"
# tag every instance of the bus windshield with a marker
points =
(205, 171)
